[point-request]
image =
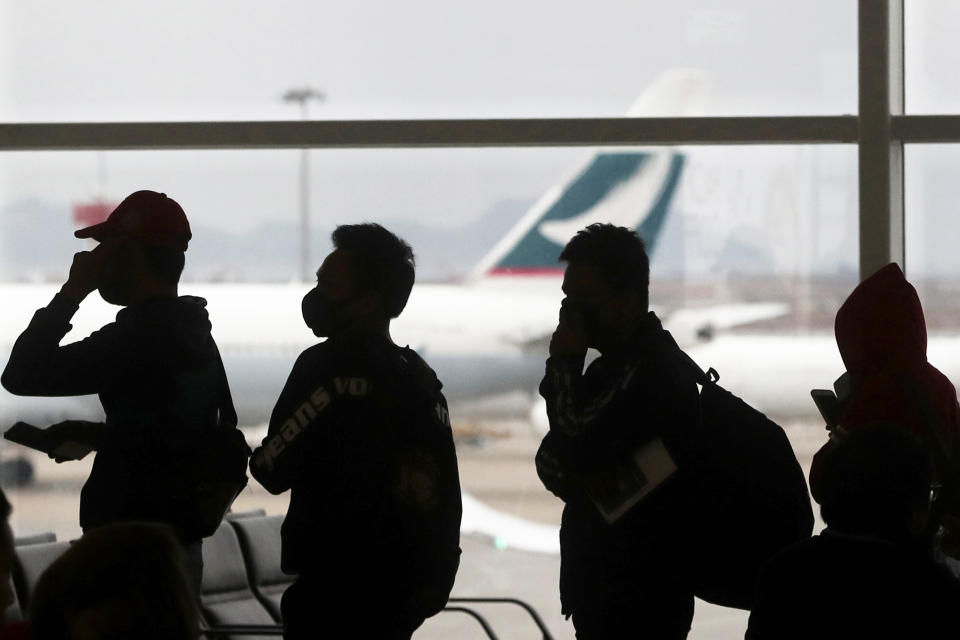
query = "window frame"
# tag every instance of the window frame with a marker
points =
(879, 131)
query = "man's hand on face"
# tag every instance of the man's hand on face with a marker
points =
(570, 338)
(85, 272)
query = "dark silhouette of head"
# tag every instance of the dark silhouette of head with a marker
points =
(877, 480)
(607, 281)
(119, 581)
(145, 238)
(362, 284)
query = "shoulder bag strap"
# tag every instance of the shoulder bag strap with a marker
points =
(227, 412)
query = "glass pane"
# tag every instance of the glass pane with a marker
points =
(931, 56)
(932, 263)
(753, 249)
(232, 60)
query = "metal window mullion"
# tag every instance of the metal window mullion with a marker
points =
(429, 133)
(880, 45)
(935, 129)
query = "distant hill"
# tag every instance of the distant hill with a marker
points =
(36, 244)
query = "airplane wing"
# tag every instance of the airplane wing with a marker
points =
(690, 326)
(506, 531)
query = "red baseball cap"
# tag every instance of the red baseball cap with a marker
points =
(147, 216)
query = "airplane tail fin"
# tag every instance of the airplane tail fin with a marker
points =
(631, 189)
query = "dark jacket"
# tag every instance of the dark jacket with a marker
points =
(597, 419)
(848, 586)
(159, 377)
(361, 436)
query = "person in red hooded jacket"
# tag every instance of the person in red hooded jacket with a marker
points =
(882, 337)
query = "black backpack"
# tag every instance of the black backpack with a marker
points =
(194, 491)
(748, 495)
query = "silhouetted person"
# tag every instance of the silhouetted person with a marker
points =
(156, 369)
(882, 337)
(868, 574)
(121, 581)
(621, 565)
(361, 436)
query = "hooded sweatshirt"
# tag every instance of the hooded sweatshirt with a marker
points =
(882, 338)
(159, 377)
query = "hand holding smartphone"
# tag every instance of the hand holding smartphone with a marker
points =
(828, 405)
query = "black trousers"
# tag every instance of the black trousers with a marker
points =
(324, 607)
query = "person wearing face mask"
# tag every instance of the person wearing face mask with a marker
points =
(156, 369)
(619, 432)
(361, 437)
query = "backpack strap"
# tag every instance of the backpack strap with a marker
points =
(227, 414)
(703, 378)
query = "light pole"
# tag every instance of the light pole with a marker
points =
(303, 96)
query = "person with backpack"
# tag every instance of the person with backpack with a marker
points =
(156, 369)
(621, 566)
(361, 437)
(668, 494)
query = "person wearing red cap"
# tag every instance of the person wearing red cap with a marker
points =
(156, 368)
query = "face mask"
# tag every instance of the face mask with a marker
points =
(321, 314)
(117, 285)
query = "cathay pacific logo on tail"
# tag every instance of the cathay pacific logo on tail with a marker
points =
(628, 189)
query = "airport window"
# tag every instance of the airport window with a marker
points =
(931, 195)
(783, 202)
(224, 60)
(753, 231)
(931, 56)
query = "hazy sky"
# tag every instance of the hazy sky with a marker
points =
(231, 59)
(114, 60)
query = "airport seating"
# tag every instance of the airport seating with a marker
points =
(242, 579)
(260, 542)
(259, 557)
(31, 561)
(226, 597)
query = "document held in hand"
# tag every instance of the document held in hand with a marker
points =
(616, 490)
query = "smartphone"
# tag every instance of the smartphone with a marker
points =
(828, 405)
(29, 436)
(36, 438)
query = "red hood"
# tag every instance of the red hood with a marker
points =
(881, 324)
(883, 340)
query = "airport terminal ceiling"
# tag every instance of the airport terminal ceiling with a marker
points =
(761, 193)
